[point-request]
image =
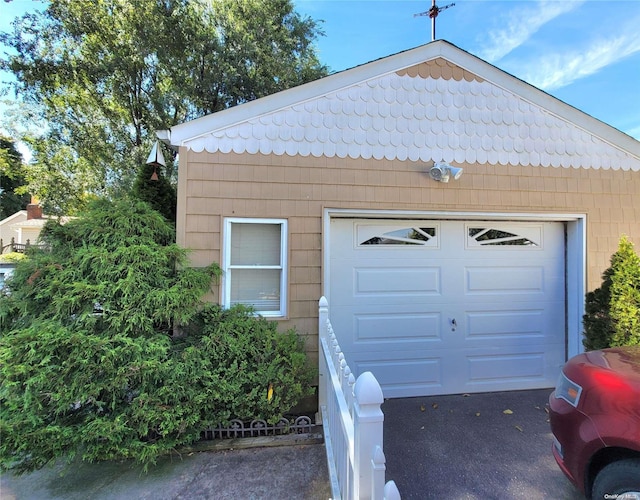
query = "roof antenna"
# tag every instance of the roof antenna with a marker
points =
(433, 13)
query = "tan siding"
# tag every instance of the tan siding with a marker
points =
(439, 68)
(216, 185)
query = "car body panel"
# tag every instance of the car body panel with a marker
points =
(578, 437)
(607, 413)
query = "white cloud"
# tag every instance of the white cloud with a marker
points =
(554, 71)
(520, 24)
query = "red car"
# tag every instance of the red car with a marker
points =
(595, 421)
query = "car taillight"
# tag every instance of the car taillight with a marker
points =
(568, 390)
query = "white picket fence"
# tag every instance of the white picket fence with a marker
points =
(352, 421)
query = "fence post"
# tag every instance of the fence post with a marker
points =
(391, 491)
(368, 422)
(378, 467)
(323, 318)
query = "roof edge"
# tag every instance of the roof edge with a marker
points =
(307, 91)
(182, 133)
(12, 216)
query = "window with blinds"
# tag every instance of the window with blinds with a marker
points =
(255, 264)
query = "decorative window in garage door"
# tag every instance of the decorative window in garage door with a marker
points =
(395, 235)
(507, 236)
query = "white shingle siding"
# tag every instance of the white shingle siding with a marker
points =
(420, 119)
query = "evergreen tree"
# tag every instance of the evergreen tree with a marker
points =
(612, 312)
(625, 295)
(156, 190)
(86, 329)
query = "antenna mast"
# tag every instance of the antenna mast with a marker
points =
(433, 13)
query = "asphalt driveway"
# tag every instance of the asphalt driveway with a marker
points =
(477, 446)
(480, 446)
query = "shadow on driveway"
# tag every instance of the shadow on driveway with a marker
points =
(477, 446)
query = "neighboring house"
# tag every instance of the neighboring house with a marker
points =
(23, 227)
(7, 232)
(473, 285)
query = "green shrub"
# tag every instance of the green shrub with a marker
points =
(612, 312)
(88, 364)
(237, 357)
(223, 369)
(12, 257)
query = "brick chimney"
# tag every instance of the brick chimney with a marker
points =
(34, 210)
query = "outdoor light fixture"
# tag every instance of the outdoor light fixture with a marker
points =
(442, 172)
(156, 159)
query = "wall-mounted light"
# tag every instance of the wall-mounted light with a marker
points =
(156, 159)
(442, 172)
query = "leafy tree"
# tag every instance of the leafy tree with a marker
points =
(63, 182)
(105, 75)
(88, 364)
(11, 178)
(612, 312)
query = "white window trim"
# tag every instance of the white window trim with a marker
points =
(226, 262)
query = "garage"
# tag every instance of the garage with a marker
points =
(449, 306)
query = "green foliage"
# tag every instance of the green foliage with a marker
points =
(62, 181)
(235, 356)
(96, 79)
(158, 193)
(12, 257)
(67, 390)
(88, 364)
(612, 312)
(625, 295)
(11, 178)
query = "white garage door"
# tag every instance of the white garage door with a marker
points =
(446, 307)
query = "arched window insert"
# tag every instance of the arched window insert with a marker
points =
(404, 236)
(492, 237)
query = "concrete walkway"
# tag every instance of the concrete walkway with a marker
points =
(290, 472)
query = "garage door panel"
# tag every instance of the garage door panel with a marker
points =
(396, 327)
(415, 282)
(536, 367)
(407, 374)
(495, 325)
(506, 328)
(489, 367)
(396, 280)
(388, 328)
(534, 282)
(381, 300)
(504, 279)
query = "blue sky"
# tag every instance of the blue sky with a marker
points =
(584, 52)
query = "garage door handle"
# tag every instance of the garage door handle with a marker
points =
(454, 325)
